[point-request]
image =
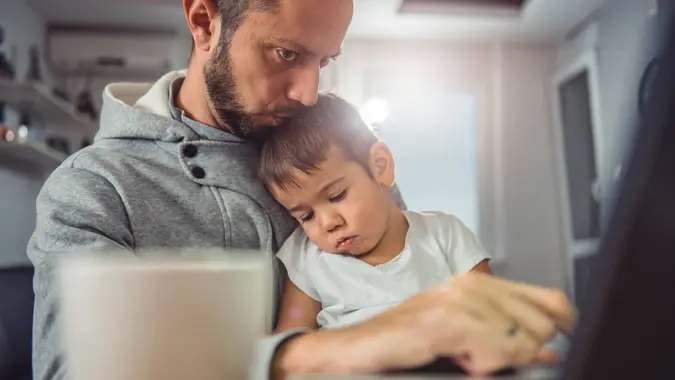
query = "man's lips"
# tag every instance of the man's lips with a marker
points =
(275, 116)
(345, 243)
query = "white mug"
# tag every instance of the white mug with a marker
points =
(146, 319)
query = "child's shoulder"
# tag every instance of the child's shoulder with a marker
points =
(436, 224)
(431, 218)
(298, 244)
(447, 232)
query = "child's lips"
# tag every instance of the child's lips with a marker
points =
(345, 243)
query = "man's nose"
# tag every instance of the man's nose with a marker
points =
(304, 88)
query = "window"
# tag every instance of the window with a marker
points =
(433, 135)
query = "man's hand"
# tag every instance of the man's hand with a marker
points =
(482, 322)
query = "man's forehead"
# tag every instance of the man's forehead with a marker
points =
(319, 27)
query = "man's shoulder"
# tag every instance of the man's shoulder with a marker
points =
(90, 172)
(107, 159)
(81, 174)
(110, 153)
(76, 191)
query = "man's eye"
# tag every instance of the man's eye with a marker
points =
(287, 55)
(307, 217)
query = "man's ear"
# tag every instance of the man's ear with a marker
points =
(382, 164)
(203, 19)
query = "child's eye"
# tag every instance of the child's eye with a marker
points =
(307, 217)
(339, 197)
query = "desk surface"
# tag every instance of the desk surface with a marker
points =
(525, 374)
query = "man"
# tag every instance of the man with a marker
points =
(173, 165)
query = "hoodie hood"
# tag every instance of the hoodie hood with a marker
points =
(142, 111)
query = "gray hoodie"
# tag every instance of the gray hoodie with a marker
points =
(148, 181)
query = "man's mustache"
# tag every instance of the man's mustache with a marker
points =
(288, 110)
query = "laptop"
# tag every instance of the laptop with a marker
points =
(627, 328)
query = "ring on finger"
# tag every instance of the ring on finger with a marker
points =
(513, 329)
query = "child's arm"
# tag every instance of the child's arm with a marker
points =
(482, 267)
(298, 310)
(464, 251)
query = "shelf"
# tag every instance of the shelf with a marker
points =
(29, 151)
(112, 72)
(39, 103)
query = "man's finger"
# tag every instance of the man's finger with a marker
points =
(552, 302)
(515, 311)
(482, 307)
(546, 356)
(528, 317)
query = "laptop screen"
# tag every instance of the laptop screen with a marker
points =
(627, 328)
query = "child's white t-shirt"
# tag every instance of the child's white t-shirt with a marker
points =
(438, 247)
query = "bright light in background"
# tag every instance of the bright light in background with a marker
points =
(23, 132)
(375, 111)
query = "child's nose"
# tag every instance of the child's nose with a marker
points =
(332, 221)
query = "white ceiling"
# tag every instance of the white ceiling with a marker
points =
(542, 20)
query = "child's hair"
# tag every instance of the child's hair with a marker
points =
(303, 142)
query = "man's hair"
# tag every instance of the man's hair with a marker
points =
(233, 13)
(304, 140)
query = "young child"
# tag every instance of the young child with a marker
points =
(357, 253)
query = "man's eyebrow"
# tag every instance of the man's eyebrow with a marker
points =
(299, 47)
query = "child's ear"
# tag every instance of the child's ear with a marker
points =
(382, 164)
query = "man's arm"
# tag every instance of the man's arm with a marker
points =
(77, 211)
(471, 317)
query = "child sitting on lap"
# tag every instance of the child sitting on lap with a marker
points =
(357, 253)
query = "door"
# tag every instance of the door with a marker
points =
(580, 161)
(581, 169)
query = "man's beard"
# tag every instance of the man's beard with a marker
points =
(221, 90)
